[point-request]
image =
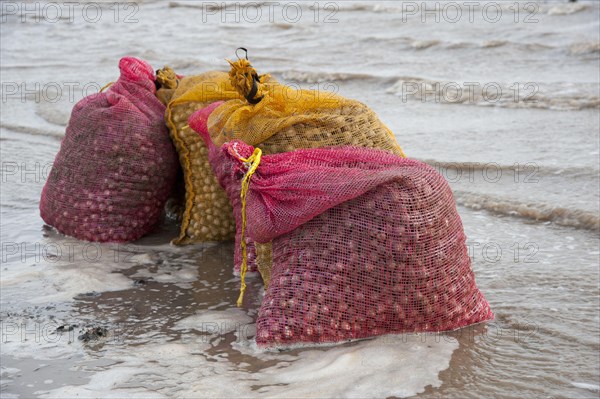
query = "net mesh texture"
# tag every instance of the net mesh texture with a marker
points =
(363, 243)
(280, 118)
(116, 165)
(207, 214)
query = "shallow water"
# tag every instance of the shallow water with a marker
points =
(524, 171)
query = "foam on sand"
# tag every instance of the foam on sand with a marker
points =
(194, 366)
(387, 366)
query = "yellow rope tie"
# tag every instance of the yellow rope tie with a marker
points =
(245, 80)
(106, 87)
(253, 161)
(167, 78)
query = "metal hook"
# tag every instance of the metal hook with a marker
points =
(241, 48)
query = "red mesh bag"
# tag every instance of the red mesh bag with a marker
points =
(364, 243)
(116, 165)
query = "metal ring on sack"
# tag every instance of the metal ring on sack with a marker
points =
(241, 48)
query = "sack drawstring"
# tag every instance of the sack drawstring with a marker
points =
(106, 87)
(252, 163)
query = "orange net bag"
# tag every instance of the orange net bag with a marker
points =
(280, 118)
(207, 214)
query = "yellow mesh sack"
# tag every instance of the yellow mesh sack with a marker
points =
(166, 83)
(207, 214)
(280, 118)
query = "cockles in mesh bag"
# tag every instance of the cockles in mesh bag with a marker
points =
(280, 118)
(206, 214)
(363, 242)
(116, 165)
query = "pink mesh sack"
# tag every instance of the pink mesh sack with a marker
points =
(364, 243)
(116, 165)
